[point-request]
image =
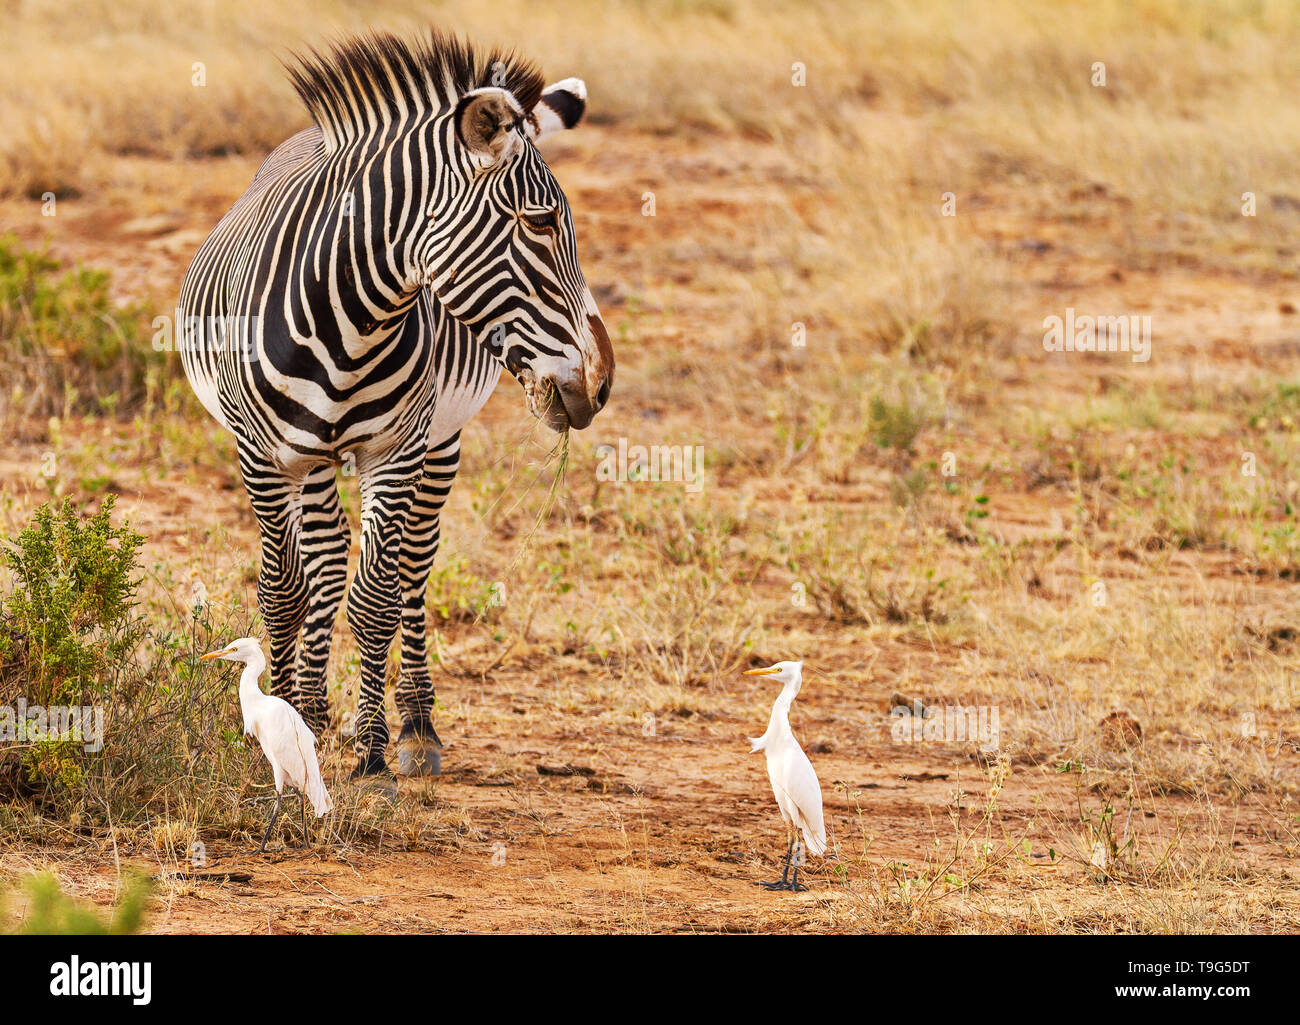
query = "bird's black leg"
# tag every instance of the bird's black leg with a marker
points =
(794, 883)
(782, 883)
(275, 812)
(302, 803)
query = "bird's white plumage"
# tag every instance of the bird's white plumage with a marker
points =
(287, 741)
(794, 782)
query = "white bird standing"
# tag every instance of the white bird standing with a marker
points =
(287, 742)
(794, 783)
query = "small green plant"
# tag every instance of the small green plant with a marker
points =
(1107, 851)
(893, 425)
(65, 346)
(863, 594)
(51, 912)
(978, 511)
(457, 595)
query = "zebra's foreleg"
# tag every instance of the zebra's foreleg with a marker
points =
(419, 749)
(281, 587)
(326, 538)
(374, 599)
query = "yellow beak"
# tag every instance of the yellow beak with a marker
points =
(216, 654)
(769, 671)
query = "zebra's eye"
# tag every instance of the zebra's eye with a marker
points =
(548, 222)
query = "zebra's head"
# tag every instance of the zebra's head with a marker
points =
(507, 256)
(455, 196)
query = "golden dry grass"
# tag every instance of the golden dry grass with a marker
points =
(828, 528)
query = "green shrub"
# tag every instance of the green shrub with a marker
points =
(67, 632)
(68, 628)
(171, 763)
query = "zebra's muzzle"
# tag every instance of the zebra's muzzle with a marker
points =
(564, 396)
(586, 394)
(579, 411)
(561, 406)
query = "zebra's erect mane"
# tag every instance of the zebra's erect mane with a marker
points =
(363, 81)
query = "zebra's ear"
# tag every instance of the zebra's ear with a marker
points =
(561, 106)
(486, 123)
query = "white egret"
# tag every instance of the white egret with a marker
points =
(287, 742)
(794, 783)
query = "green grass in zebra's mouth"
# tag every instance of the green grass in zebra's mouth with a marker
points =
(545, 402)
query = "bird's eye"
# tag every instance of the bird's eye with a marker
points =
(542, 223)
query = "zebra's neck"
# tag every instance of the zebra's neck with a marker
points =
(368, 239)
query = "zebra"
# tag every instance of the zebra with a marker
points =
(355, 307)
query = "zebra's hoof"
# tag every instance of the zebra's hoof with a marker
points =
(372, 766)
(419, 751)
(419, 756)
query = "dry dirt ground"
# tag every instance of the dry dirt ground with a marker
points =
(668, 830)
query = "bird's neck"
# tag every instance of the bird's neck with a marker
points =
(778, 726)
(249, 690)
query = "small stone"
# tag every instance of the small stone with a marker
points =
(1120, 731)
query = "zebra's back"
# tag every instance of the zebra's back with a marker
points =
(464, 373)
(297, 365)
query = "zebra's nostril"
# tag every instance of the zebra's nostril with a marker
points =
(602, 396)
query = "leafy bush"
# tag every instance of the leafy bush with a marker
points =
(171, 765)
(67, 633)
(68, 627)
